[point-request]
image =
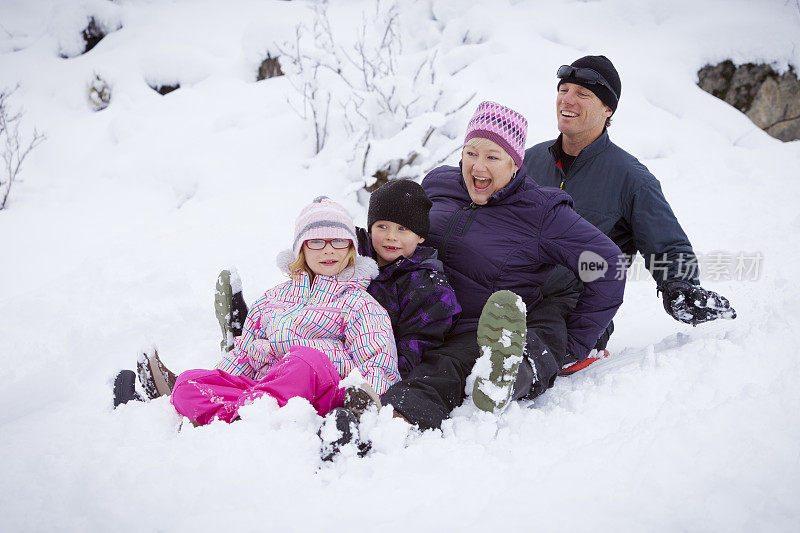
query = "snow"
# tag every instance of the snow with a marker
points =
(353, 379)
(505, 338)
(123, 218)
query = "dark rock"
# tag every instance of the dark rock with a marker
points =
(93, 34)
(269, 68)
(164, 89)
(770, 100)
(745, 84)
(776, 107)
(716, 79)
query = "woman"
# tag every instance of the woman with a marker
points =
(496, 229)
(304, 335)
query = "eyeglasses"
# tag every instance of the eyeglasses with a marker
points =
(586, 75)
(319, 244)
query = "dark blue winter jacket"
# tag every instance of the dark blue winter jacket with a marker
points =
(615, 192)
(513, 242)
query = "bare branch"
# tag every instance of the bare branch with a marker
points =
(462, 106)
(443, 159)
(14, 151)
(367, 82)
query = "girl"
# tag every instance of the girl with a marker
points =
(303, 336)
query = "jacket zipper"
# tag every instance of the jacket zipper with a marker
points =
(456, 216)
(448, 232)
(563, 174)
(474, 211)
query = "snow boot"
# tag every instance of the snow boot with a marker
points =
(125, 388)
(359, 399)
(156, 379)
(502, 333)
(339, 429)
(568, 370)
(229, 307)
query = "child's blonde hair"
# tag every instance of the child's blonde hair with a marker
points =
(299, 265)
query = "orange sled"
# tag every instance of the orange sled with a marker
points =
(574, 367)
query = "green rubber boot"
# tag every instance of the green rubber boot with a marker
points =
(223, 307)
(229, 307)
(502, 331)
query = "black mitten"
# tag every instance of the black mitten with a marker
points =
(602, 342)
(692, 304)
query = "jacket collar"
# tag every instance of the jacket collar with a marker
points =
(423, 257)
(597, 146)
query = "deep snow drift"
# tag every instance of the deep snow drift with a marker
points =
(113, 239)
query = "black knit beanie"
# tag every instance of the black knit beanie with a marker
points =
(603, 66)
(403, 202)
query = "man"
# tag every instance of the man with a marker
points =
(617, 193)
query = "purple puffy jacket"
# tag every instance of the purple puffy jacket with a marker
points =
(513, 243)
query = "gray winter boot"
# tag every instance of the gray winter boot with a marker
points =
(358, 399)
(229, 307)
(502, 331)
(156, 379)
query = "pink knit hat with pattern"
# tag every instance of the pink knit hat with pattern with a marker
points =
(322, 219)
(502, 125)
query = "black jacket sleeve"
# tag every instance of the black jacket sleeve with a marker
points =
(659, 237)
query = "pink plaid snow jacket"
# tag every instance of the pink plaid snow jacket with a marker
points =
(334, 315)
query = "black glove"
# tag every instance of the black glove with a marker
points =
(692, 304)
(602, 342)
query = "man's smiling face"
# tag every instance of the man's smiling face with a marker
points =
(580, 112)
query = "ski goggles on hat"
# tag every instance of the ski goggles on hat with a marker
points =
(586, 75)
(319, 244)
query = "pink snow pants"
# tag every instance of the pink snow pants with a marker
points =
(205, 395)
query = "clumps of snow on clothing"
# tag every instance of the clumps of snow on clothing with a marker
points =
(481, 369)
(353, 379)
(497, 393)
(328, 432)
(510, 361)
(521, 305)
(236, 281)
(505, 338)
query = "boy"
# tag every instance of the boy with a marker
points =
(411, 284)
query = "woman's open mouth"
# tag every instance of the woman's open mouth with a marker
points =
(481, 184)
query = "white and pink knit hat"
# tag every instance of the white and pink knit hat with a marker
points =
(502, 125)
(322, 219)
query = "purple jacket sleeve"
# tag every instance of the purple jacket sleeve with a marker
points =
(428, 307)
(567, 239)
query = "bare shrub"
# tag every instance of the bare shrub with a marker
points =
(14, 150)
